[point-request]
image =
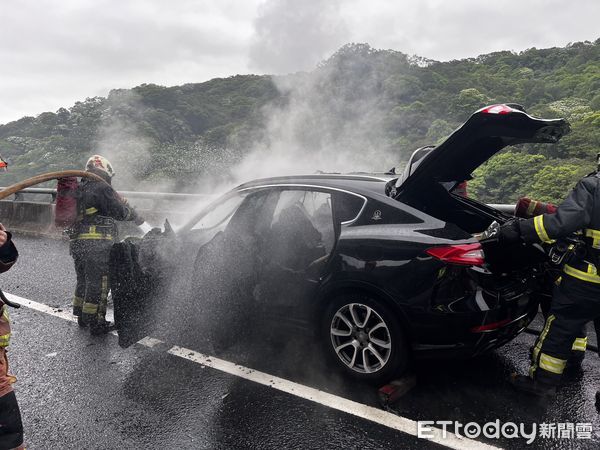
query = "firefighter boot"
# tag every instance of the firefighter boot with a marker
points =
(526, 384)
(101, 327)
(77, 312)
(78, 308)
(574, 366)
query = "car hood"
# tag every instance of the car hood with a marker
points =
(486, 132)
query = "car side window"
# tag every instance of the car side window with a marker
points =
(347, 207)
(301, 229)
(218, 217)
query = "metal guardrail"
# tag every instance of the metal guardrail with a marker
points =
(509, 209)
(167, 196)
(506, 208)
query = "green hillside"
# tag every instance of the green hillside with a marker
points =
(377, 105)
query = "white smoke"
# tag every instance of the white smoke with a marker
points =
(291, 36)
(119, 139)
(319, 129)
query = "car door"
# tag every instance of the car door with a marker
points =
(295, 243)
(152, 279)
(224, 273)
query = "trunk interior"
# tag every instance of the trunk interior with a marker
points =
(474, 217)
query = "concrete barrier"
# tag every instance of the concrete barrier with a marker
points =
(28, 216)
(37, 217)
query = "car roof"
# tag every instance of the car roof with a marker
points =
(361, 183)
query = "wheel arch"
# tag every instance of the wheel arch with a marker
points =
(352, 287)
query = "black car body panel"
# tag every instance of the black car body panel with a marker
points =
(291, 244)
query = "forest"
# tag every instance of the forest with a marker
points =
(370, 108)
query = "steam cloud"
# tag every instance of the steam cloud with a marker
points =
(317, 129)
(118, 138)
(291, 36)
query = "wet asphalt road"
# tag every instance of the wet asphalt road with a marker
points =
(76, 391)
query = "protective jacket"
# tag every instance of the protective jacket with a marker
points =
(580, 212)
(98, 207)
(576, 300)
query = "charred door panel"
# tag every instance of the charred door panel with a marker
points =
(139, 271)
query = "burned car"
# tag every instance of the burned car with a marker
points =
(382, 269)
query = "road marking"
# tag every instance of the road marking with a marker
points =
(46, 309)
(379, 416)
(149, 342)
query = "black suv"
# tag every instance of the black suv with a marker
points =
(382, 268)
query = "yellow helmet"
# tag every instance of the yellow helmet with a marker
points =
(97, 162)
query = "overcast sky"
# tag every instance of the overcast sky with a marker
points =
(55, 52)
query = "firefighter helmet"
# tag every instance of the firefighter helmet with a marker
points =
(98, 162)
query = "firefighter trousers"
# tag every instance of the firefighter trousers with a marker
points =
(11, 427)
(91, 258)
(574, 304)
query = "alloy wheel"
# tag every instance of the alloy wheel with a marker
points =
(361, 338)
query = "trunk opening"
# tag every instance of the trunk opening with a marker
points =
(474, 217)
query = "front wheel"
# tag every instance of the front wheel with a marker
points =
(364, 338)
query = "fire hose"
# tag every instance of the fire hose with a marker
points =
(14, 188)
(42, 178)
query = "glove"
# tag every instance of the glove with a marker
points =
(137, 219)
(510, 232)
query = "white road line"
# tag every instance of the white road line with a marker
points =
(345, 405)
(370, 413)
(149, 342)
(46, 309)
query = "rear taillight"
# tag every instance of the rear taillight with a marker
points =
(464, 254)
(490, 326)
(496, 109)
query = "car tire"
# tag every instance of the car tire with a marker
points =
(350, 345)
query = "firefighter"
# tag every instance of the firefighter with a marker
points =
(11, 427)
(92, 235)
(576, 299)
(527, 208)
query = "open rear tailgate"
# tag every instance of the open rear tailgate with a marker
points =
(486, 132)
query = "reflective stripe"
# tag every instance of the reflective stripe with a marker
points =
(591, 276)
(595, 235)
(94, 236)
(103, 298)
(5, 338)
(90, 211)
(580, 344)
(531, 208)
(90, 308)
(552, 364)
(538, 344)
(558, 281)
(538, 223)
(77, 301)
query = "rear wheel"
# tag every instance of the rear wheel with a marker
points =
(364, 338)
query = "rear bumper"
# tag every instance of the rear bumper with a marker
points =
(481, 333)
